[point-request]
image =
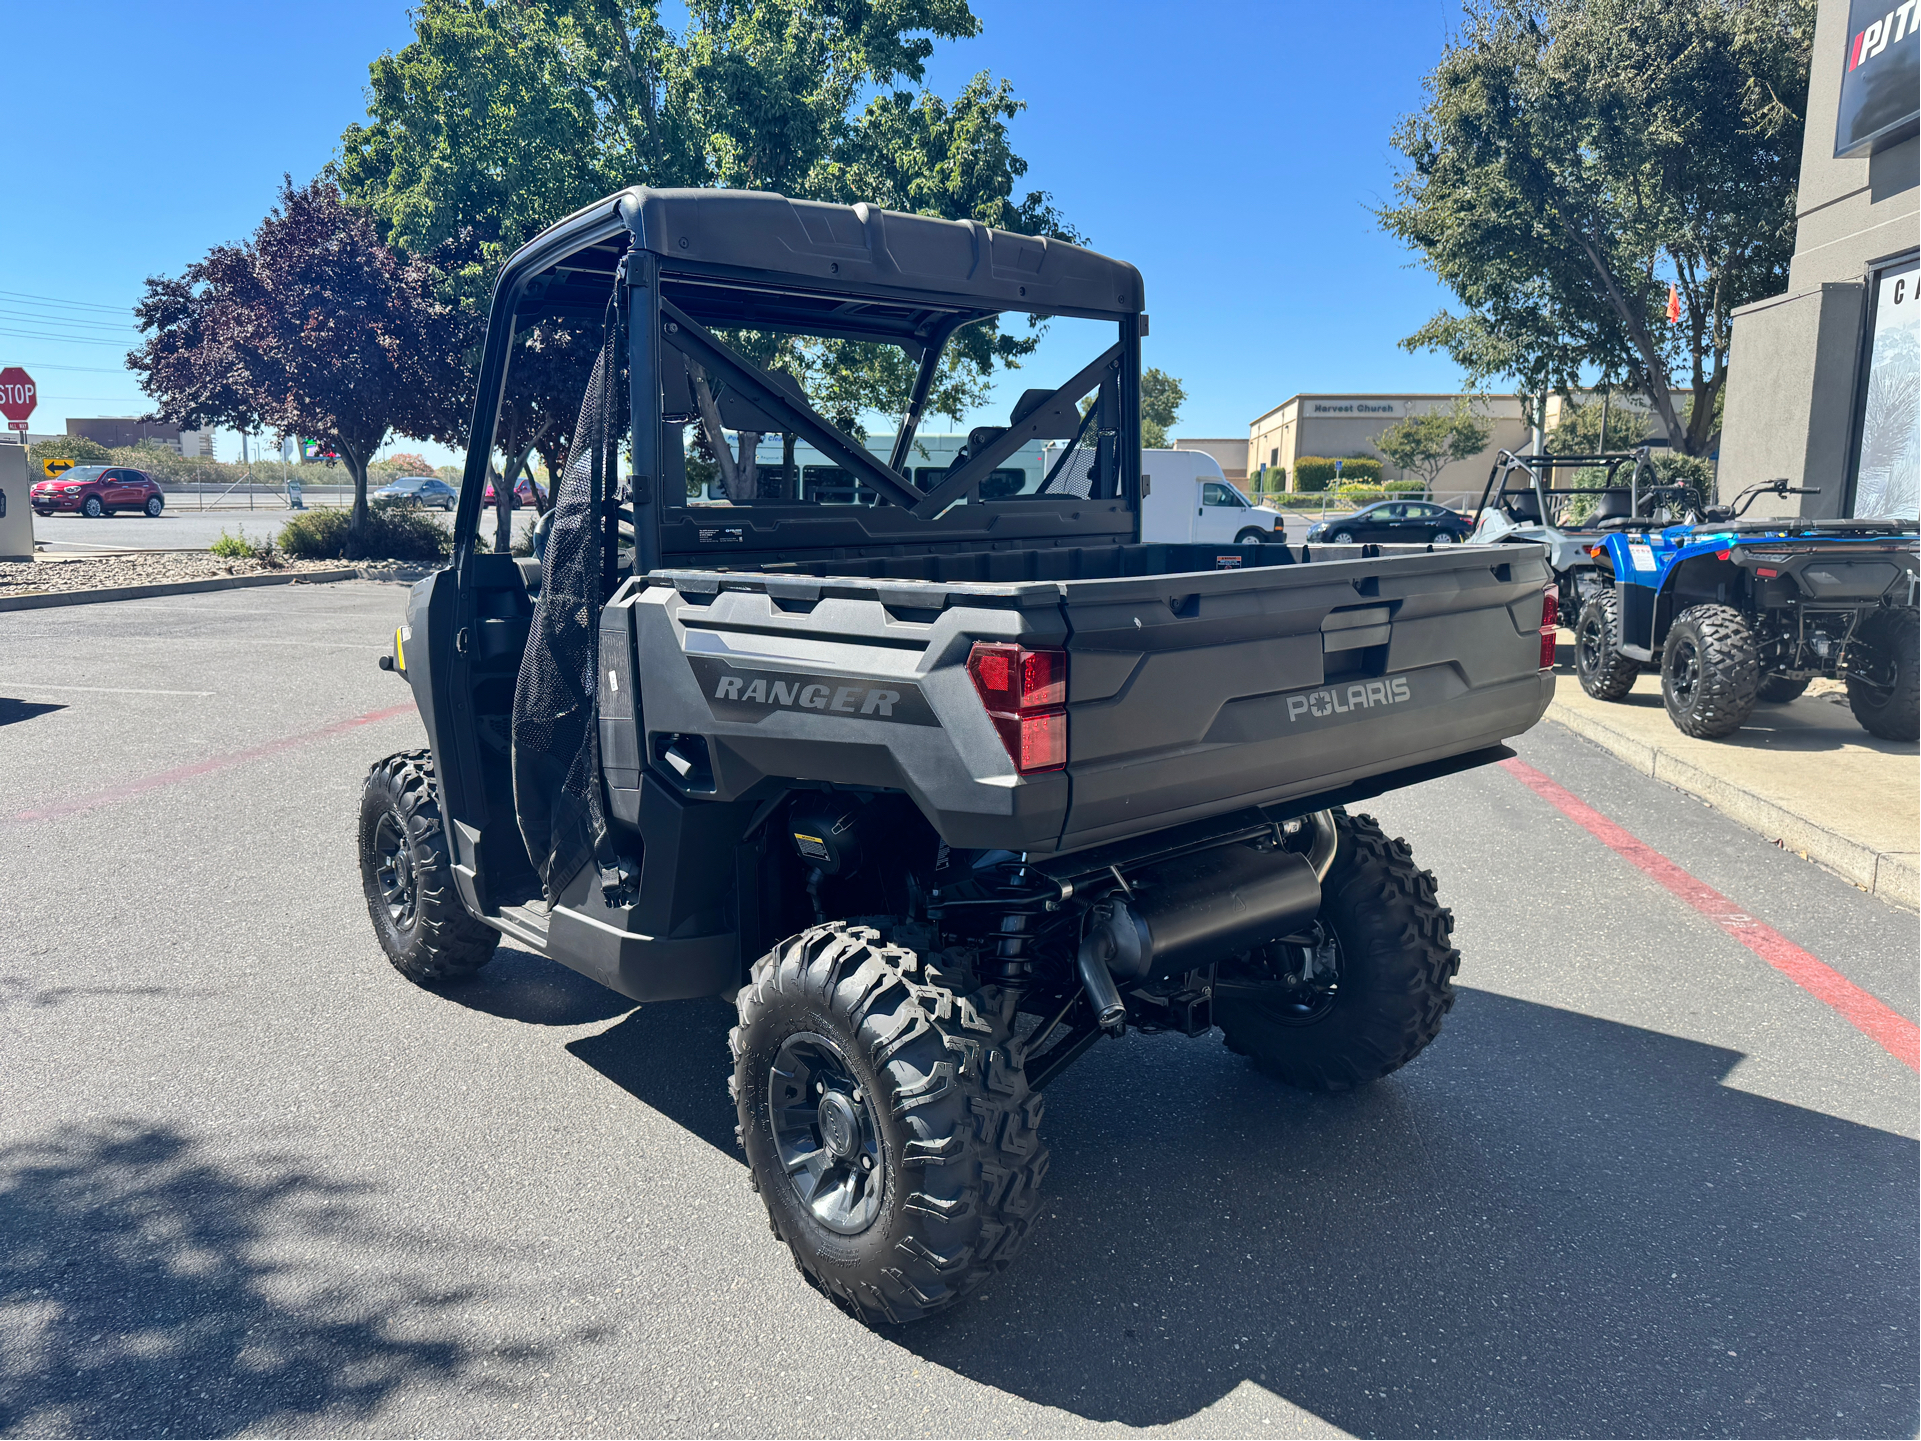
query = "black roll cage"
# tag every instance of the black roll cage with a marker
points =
(671, 305)
(1540, 469)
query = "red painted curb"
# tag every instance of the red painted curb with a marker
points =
(130, 789)
(1881, 1023)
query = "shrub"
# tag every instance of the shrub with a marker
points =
(238, 547)
(1316, 472)
(1405, 487)
(392, 534)
(76, 448)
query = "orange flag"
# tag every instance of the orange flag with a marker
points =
(1674, 305)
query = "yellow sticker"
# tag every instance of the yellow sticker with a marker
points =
(400, 653)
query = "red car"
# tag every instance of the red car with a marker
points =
(523, 495)
(97, 490)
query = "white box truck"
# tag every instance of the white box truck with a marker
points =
(1186, 499)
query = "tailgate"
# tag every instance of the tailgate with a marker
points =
(1189, 694)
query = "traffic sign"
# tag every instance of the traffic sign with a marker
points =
(59, 466)
(18, 396)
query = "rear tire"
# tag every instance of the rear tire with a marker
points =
(1709, 672)
(1395, 973)
(1883, 694)
(1779, 690)
(1604, 672)
(408, 877)
(926, 1177)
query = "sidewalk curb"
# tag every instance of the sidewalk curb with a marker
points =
(1891, 875)
(172, 587)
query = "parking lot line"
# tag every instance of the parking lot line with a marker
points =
(1881, 1023)
(113, 794)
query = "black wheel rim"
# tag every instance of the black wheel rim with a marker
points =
(1684, 675)
(1591, 648)
(395, 871)
(826, 1133)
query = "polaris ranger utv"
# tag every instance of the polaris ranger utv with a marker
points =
(939, 779)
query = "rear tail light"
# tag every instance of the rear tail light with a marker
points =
(1550, 624)
(1025, 693)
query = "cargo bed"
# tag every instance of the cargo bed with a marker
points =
(1190, 692)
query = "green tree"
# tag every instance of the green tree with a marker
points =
(1575, 157)
(1427, 444)
(1161, 399)
(503, 116)
(1579, 429)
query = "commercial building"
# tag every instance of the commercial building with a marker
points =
(115, 431)
(1823, 379)
(1340, 426)
(1230, 453)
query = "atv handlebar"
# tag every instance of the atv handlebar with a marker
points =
(1738, 507)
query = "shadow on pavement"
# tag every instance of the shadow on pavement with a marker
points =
(674, 1058)
(146, 1290)
(12, 711)
(521, 986)
(1549, 1225)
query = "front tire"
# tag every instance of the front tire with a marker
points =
(1883, 692)
(1342, 537)
(888, 1128)
(1604, 672)
(408, 877)
(1709, 671)
(91, 508)
(1251, 536)
(1394, 965)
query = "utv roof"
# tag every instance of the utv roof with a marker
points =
(752, 235)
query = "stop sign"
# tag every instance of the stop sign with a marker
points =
(18, 394)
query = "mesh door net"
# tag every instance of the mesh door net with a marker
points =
(556, 743)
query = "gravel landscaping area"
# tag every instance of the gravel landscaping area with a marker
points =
(156, 568)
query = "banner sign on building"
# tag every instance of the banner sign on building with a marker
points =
(1880, 78)
(1887, 463)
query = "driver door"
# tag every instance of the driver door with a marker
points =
(1219, 515)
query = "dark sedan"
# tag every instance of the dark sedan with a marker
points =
(1404, 522)
(418, 490)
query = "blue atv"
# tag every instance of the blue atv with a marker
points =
(1733, 612)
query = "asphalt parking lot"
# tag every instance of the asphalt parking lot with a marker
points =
(252, 1181)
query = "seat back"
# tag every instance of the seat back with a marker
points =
(1616, 501)
(1522, 505)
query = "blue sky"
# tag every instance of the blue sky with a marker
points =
(1232, 151)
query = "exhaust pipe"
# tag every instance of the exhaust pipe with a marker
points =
(1199, 909)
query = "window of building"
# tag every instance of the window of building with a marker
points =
(1887, 442)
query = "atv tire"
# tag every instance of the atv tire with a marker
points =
(888, 1128)
(1779, 690)
(1709, 671)
(408, 876)
(1883, 692)
(1604, 672)
(1395, 973)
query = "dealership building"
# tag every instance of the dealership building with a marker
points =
(1340, 426)
(1823, 379)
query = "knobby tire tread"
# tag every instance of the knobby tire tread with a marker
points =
(964, 1180)
(446, 943)
(1730, 671)
(1398, 967)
